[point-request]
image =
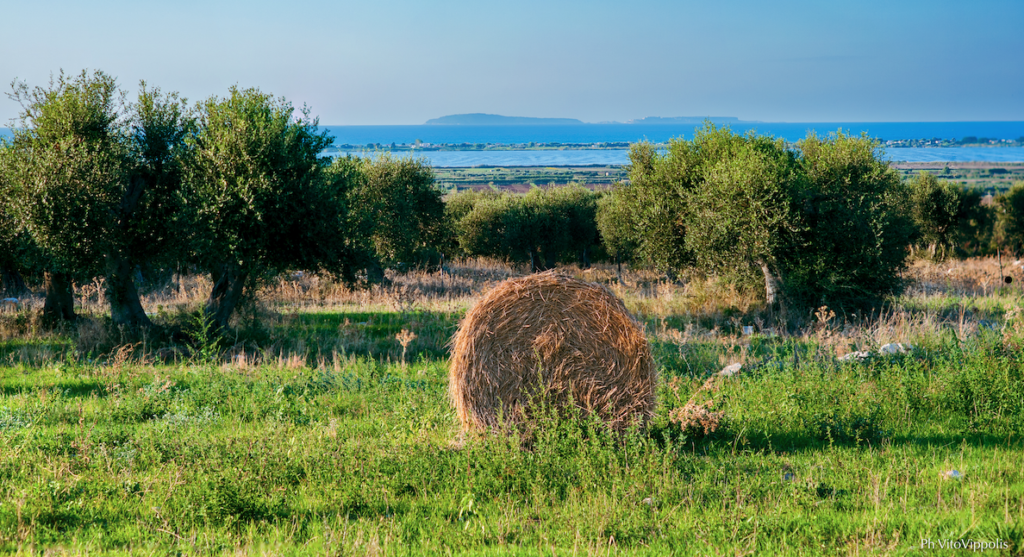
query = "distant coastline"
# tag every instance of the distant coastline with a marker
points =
(468, 137)
(480, 119)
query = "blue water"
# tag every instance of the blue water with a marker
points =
(444, 159)
(600, 133)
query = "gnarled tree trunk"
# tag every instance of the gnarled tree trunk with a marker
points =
(60, 298)
(773, 290)
(125, 306)
(228, 284)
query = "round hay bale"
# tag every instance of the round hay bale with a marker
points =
(555, 336)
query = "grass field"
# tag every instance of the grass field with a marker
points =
(324, 428)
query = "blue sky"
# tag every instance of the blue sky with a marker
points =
(404, 61)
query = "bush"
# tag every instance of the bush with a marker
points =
(856, 221)
(1008, 232)
(401, 209)
(949, 217)
(544, 227)
(828, 223)
(615, 223)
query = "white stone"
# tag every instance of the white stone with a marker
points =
(731, 370)
(856, 356)
(895, 348)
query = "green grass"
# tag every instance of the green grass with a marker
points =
(357, 453)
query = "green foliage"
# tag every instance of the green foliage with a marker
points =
(402, 210)
(17, 251)
(499, 226)
(564, 222)
(949, 216)
(577, 207)
(827, 224)
(655, 201)
(68, 164)
(974, 230)
(250, 182)
(544, 226)
(937, 205)
(95, 181)
(742, 214)
(857, 224)
(1009, 225)
(456, 206)
(261, 199)
(615, 225)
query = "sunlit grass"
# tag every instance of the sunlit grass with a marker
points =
(311, 436)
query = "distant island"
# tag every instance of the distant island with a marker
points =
(478, 119)
(496, 120)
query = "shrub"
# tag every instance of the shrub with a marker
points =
(402, 210)
(543, 227)
(615, 223)
(1008, 233)
(857, 226)
(827, 224)
(949, 216)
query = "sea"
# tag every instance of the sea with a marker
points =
(367, 140)
(659, 133)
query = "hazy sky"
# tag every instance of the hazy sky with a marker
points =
(404, 61)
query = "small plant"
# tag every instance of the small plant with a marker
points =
(405, 338)
(852, 428)
(697, 417)
(207, 341)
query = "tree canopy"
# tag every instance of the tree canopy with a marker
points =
(825, 223)
(259, 200)
(94, 182)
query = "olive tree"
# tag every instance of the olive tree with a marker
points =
(402, 209)
(743, 214)
(974, 230)
(722, 202)
(655, 200)
(543, 227)
(577, 206)
(1009, 225)
(615, 224)
(501, 227)
(547, 229)
(827, 223)
(938, 208)
(95, 184)
(67, 160)
(260, 198)
(456, 206)
(856, 214)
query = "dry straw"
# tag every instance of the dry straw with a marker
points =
(557, 337)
